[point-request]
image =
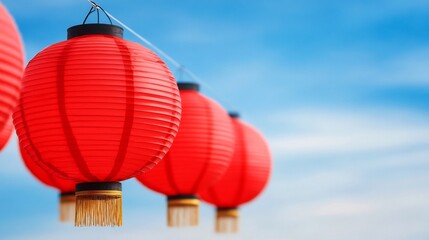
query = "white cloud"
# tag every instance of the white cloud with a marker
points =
(323, 131)
(343, 208)
(408, 69)
(363, 199)
(358, 194)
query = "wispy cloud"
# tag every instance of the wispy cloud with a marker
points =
(344, 208)
(318, 131)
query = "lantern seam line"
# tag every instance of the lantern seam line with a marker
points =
(209, 159)
(68, 131)
(243, 167)
(129, 114)
(35, 150)
(169, 173)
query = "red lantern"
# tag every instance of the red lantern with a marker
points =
(6, 133)
(11, 65)
(97, 109)
(199, 156)
(244, 180)
(65, 187)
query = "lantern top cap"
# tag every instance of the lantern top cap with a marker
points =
(234, 114)
(189, 86)
(87, 29)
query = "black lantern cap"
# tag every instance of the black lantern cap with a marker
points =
(91, 186)
(189, 86)
(86, 29)
(234, 114)
(178, 197)
(66, 194)
(226, 208)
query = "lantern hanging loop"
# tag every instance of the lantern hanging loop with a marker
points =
(96, 8)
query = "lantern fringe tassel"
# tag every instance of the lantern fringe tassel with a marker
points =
(67, 207)
(227, 220)
(101, 208)
(183, 212)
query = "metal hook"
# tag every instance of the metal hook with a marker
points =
(94, 5)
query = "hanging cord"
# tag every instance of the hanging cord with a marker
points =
(96, 8)
(181, 68)
(179, 73)
(159, 51)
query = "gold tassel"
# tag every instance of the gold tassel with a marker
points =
(183, 211)
(227, 220)
(67, 207)
(100, 207)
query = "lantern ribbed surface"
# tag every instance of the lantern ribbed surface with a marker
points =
(244, 180)
(62, 185)
(248, 173)
(5, 133)
(199, 156)
(97, 108)
(11, 65)
(201, 152)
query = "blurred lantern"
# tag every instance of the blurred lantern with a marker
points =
(5, 133)
(199, 156)
(97, 109)
(65, 187)
(11, 65)
(244, 180)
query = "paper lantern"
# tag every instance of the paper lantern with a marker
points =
(97, 109)
(245, 178)
(65, 187)
(199, 156)
(6, 133)
(11, 65)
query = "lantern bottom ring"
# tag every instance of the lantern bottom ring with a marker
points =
(67, 207)
(183, 200)
(68, 197)
(227, 212)
(227, 220)
(183, 211)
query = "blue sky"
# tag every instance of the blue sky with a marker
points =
(340, 89)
